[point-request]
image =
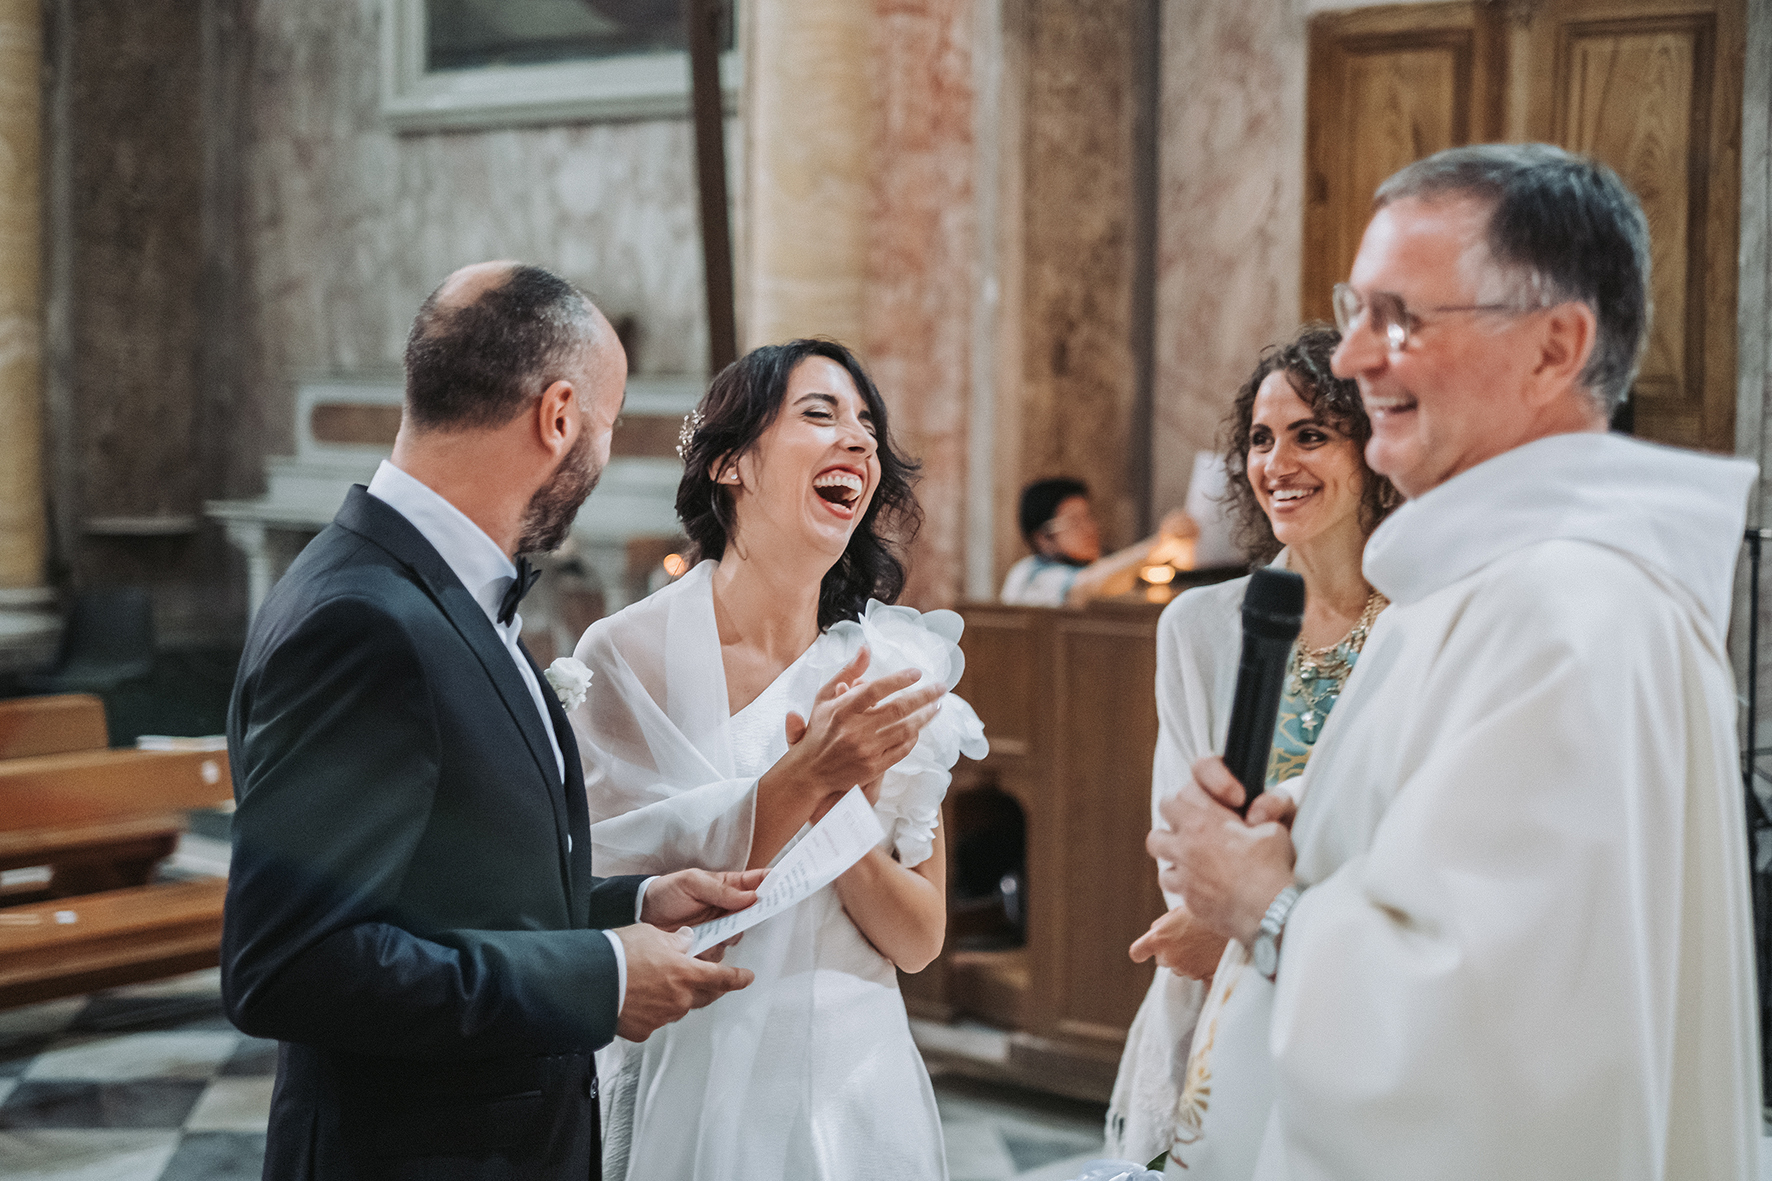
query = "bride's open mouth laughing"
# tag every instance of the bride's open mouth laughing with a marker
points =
(841, 489)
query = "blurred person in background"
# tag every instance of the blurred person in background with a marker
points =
(1066, 568)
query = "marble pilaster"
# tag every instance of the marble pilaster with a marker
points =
(920, 250)
(1230, 215)
(1069, 402)
(808, 126)
(22, 524)
(28, 625)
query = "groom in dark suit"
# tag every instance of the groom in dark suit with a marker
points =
(411, 908)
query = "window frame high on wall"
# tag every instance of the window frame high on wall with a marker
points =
(622, 86)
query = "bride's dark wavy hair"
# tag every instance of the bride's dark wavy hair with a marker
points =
(740, 405)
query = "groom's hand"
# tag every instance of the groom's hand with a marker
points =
(693, 896)
(664, 982)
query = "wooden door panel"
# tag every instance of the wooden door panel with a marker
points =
(1387, 86)
(1403, 103)
(1631, 97)
(1107, 721)
(1002, 677)
(1653, 88)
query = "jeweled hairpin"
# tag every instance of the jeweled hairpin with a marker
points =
(686, 433)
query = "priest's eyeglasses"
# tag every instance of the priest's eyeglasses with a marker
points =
(1391, 318)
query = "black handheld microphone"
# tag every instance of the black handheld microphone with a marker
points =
(1273, 611)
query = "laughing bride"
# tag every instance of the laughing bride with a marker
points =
(731, 709)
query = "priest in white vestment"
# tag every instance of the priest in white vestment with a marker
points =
(1515, 941)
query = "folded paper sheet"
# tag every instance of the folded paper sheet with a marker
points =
(835, 843)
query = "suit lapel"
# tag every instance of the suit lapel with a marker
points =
(380, 523)
(577, 819)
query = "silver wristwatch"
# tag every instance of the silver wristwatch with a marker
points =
(1265, 954)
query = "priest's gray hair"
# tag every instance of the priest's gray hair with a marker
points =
(1562, 228)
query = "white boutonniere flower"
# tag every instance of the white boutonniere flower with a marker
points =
(570, 679)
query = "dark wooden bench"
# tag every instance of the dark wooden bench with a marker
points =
(100, 821)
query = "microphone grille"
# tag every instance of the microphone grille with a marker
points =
(1273, 604)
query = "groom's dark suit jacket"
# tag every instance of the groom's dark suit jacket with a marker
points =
(411, 910)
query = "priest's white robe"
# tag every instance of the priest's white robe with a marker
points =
(1524, 947)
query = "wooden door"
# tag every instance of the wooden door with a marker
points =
(1652, 87)
(1387, 86)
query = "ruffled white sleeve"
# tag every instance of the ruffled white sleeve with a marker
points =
(898, 638)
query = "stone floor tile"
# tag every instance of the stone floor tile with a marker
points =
(1064, 1170)
(17, 1055)
(204, 983)
(85, 1155)
(233, 1105)
(32, 1021)
(217, 1156)
(156, 1103)
(1033, 1152)
(121, 1014)
(975, 1152)
(182, 1055)
(253, 1056)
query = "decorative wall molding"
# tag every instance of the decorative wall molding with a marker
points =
(629, 86)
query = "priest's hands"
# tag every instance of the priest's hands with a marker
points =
(1182, 944)
(692, 896)
(1228, 869)
(664, 982)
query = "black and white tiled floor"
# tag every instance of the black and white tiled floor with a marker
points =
(151, 1083)
(135, 1084)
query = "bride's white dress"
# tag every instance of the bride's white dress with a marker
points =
(810, 1073)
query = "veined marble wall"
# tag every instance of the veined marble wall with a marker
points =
(921, 243)
(348, 226)
(133, 445)
(1230, 215)
(229, 214)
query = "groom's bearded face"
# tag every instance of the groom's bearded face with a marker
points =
(548, 518)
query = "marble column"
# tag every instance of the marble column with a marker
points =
(1070, 403)
(27, 628)
(806, 158)
(22, 529)
(1231, 216)
(921, 281)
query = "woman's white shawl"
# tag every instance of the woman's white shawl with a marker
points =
(664, 794)
(726, 1092)
(1198, 640)
(1199, 643)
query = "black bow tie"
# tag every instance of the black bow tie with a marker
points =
(526, 576)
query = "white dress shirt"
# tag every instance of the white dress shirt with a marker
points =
(487, 573)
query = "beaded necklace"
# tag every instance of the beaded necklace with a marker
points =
(1317, 674)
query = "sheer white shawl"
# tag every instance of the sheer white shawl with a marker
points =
(734, 1080)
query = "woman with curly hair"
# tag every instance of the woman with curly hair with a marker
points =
(732, 709)
(1297, 479)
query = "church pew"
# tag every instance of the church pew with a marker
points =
(75, 945)
(101, 820)
(51, 725)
